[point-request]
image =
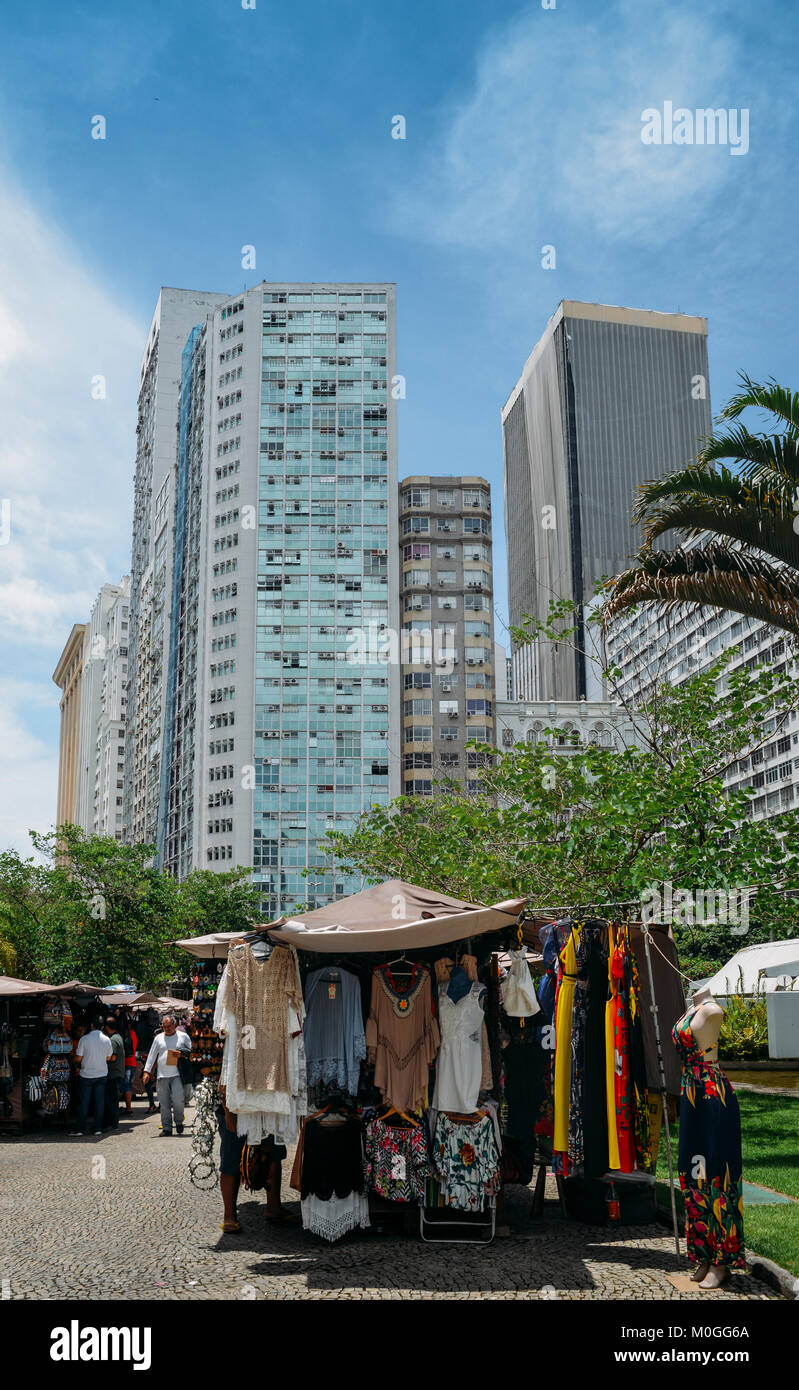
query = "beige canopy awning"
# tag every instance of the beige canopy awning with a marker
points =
(391, 917)
(11, 986)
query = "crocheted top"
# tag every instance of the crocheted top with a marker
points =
(260, 993)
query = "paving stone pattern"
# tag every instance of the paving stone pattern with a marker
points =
(118, 1217)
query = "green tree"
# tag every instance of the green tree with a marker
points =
(95, 910)
(605, 825)
(209, 902)
(743, 516)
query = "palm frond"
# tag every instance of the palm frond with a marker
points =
(760, 522)
(714, 576)
(719, 483)
(755, 454)
(770, 396)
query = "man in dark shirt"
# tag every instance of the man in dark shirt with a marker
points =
(116, 1074)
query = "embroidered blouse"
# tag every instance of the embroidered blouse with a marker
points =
(402, 1036)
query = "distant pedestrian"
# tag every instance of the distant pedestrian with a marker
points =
(166, 1052)
(93, 1052)
(129, 1043)
(116, 1073)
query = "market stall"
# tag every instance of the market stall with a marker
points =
(400, 1036)
(40, 1025)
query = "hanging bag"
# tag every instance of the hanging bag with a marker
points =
(518, 991)
(59, 1043)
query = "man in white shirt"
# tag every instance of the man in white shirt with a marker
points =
(93, 1052)
(165, 1051)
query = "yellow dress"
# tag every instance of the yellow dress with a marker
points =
(563, 1045)
(614, 1160)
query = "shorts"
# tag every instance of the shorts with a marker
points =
(127, 1084)
(232, 1146)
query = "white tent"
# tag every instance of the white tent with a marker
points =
(742, 973)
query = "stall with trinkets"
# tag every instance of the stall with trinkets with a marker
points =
(40, 1026)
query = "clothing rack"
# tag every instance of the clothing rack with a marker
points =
(590, 910)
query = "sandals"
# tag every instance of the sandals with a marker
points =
(282, 1218)
(230, 1228)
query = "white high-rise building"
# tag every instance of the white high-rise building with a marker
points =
(264, 542)
(650, 648)
(176, 313)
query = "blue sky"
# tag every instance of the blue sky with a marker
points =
(272, 127)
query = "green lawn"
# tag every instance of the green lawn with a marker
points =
(770, 1145)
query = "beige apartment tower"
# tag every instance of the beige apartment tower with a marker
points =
(447, 639)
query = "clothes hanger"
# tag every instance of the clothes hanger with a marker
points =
(394, 1111)
(412, 965)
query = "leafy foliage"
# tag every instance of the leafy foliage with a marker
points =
(744, 518)
(99, 911)
(597, 825)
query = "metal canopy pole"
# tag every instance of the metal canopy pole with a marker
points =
(654, 1008)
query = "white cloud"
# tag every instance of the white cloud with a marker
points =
(66, 463)
(65, 459)
(30, 769)
(551, 133)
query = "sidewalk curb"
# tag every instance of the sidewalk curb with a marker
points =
(777, 1278)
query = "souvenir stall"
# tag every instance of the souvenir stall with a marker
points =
(40, 1025)
(398, 1039)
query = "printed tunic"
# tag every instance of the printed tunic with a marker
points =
(397, 1161)
(466, 1159)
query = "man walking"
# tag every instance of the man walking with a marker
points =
(166, 1051)
(93, 1052)
(116, 1073)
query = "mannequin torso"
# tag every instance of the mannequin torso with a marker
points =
(706, 1023)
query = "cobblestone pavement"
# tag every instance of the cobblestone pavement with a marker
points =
(118, 1217)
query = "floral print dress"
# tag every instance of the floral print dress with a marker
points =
(709, 1159)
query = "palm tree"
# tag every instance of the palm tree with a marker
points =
(745, 518)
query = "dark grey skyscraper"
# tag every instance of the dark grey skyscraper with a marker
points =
(608, 398)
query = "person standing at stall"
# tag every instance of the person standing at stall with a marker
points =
(116, 1073)
(130, 1043)
(93, 1052)
(166, 1051)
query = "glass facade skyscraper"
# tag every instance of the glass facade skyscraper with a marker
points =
(280, 719)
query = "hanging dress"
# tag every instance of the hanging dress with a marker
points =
(563, 1034)
(622, 1074)
(709, 1156)
(460, 1064)
(610, 1059)
(334, 1038)
(402, 1036)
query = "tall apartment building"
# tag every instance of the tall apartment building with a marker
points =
(267, 532)
(447, 646)
(92, 672)
(67, 676)
(609, 398)
(176, 313)
(103, 711)
(651, 648)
